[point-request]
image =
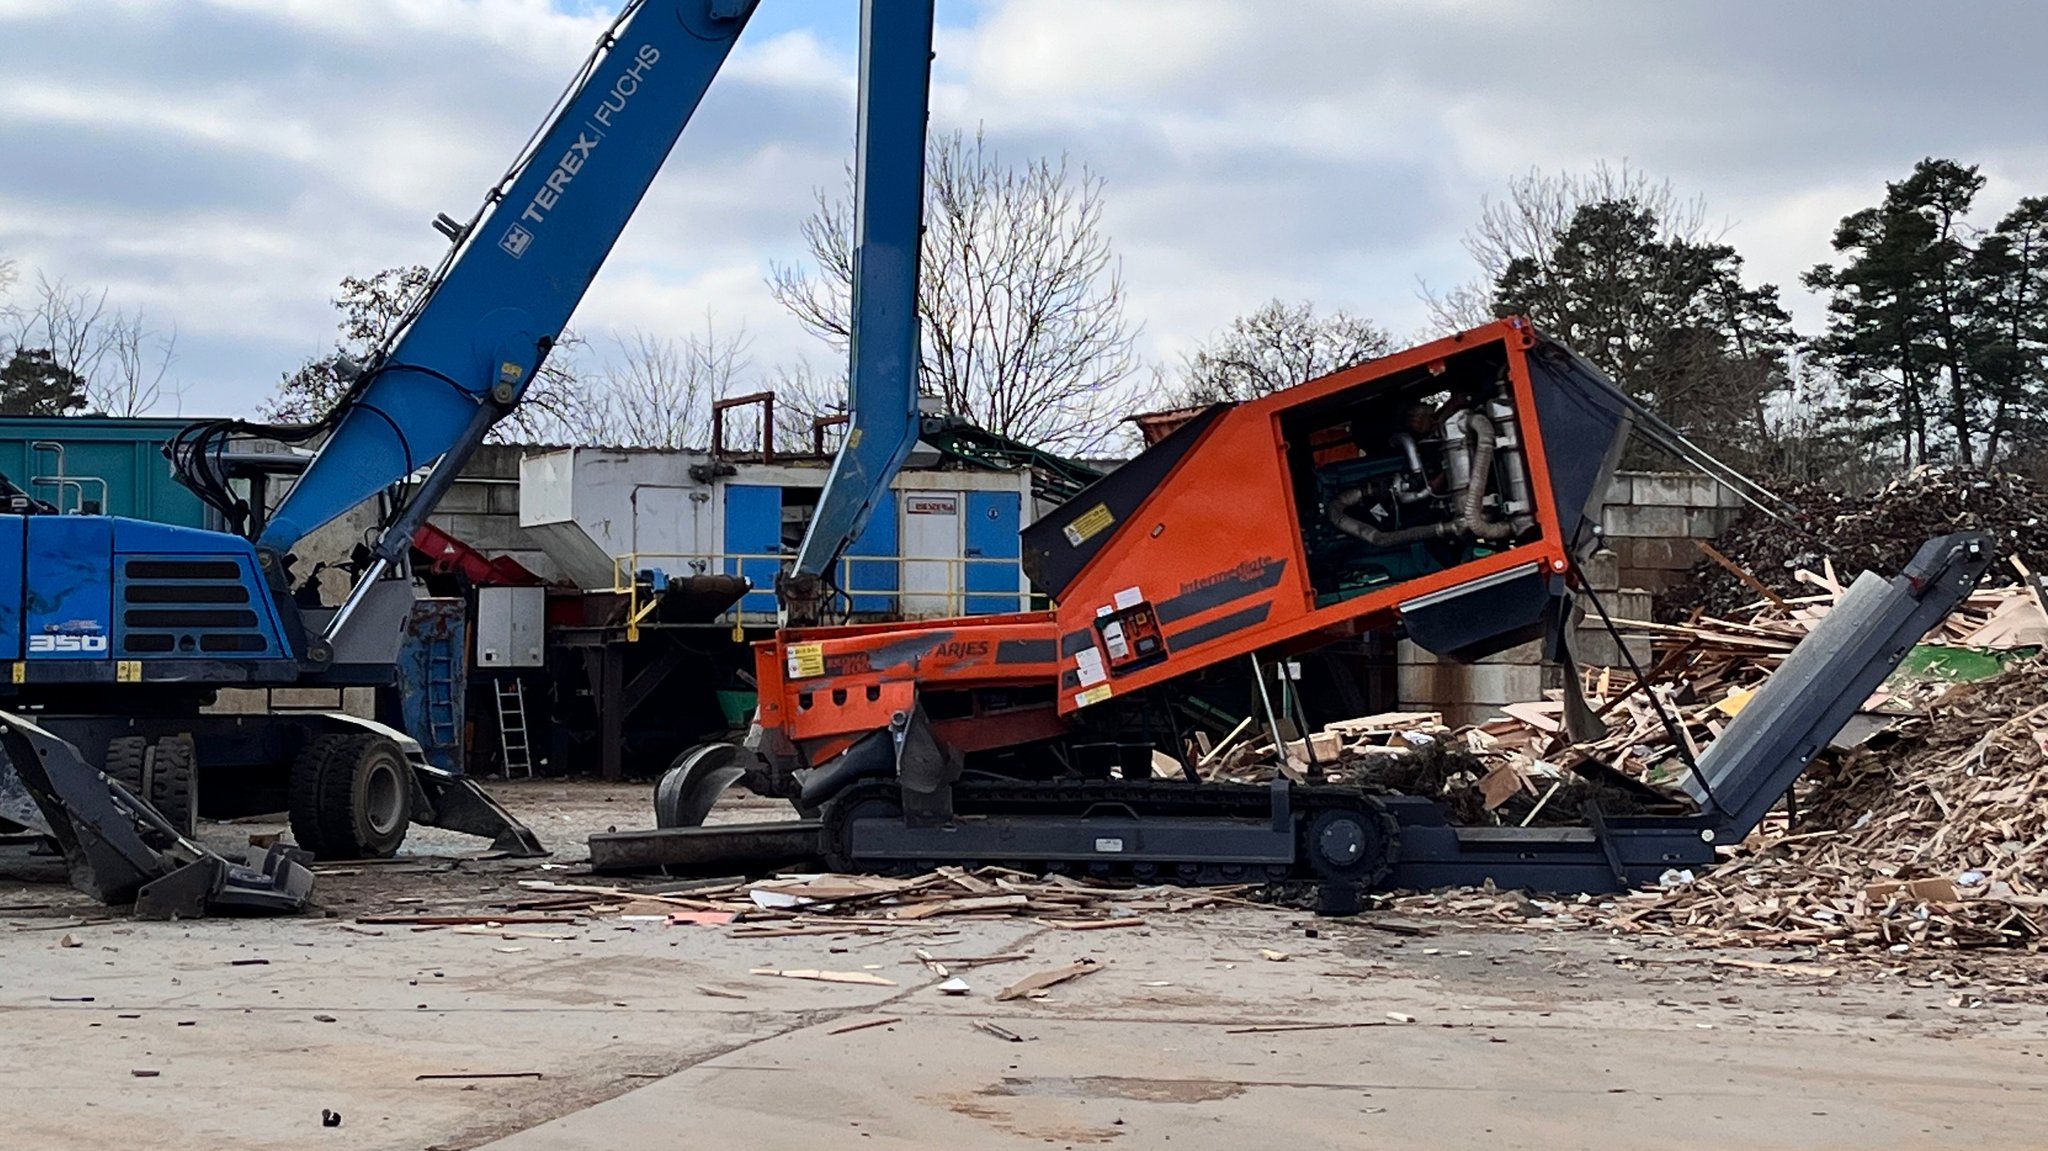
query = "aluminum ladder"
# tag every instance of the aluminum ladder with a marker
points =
(512, 741)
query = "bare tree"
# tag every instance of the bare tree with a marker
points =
(1020, 302)
(129, 380)
(372, 308)
(810, 406)
(1537, 212)
(656, 391)
(370, 311)
(1278, 346)
(553, 401)
(119, 355)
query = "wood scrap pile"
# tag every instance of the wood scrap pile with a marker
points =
(1400, 742)
(1524, 769)
(1939, 839)
(1877, 531)
(1704, 671)
(829, 903)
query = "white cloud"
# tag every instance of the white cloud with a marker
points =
(224, 163)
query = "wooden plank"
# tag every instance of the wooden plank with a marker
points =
(1739, 572)
(1040, 980)
(864, 1024)
(864, 978)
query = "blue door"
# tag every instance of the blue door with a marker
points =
(12, 589)
(872, 583)
(753, 528)
(993, 521)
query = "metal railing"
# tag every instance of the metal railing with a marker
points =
(870, 586)
(65, 482)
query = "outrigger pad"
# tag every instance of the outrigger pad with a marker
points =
(459, 803)
(212, 885)
(120, 849)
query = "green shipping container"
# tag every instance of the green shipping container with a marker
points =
(112, 465)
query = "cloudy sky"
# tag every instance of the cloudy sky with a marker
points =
(222, 163)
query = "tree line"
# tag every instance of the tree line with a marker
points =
(63, 349)
(1934, 346)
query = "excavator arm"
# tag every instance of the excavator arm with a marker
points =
(882, 375)
(484, 326)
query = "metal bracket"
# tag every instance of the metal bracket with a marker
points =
(1282, 793)
(1598, 822)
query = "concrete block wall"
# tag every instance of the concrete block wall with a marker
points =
(1650, 520)
(1467, 692)
(482, 510)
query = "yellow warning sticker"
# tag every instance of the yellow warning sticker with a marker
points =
(21, 673)
(1089, 524)
(806, 660)
(1095, 694)
(128, 671)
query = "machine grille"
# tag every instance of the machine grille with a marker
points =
(170, 608)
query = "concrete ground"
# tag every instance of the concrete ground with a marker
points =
(613, 1034)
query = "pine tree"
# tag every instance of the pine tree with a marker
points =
(2007, 335)
(1666, 314)
(34, 384)
(1901, 309)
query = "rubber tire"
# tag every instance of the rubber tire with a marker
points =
(302, 798)
(172, 787)
(337, 785)
(127, 756)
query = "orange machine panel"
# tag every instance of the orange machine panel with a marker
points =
(1216, 558)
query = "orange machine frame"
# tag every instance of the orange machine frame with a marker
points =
(1215, 553)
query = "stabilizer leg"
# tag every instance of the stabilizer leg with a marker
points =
(120, 850)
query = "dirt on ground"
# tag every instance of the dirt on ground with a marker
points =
(1453, 1024)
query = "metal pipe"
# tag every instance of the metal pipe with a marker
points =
(1420, 492)
(1408, 448)
(1341, 519)
(355, 599)
(1272, 722)
(1471, 517)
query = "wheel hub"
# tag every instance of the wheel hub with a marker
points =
(1341, 842)
(383, 804)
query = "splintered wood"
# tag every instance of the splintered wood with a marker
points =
(829, 904)
(1935, 835)
(1940, 839)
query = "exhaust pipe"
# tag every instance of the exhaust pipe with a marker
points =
(1471, 519)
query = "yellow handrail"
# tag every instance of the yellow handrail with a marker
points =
(953, 598)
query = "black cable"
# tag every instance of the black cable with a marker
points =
(1649, 689)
